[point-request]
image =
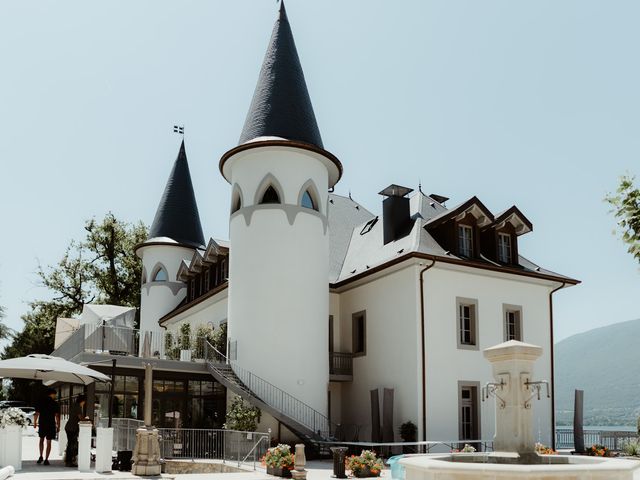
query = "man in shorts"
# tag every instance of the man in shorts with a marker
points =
(48, 416)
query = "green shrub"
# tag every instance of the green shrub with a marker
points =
(242, 416)
(632, 447)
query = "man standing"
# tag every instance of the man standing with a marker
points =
(48, 414)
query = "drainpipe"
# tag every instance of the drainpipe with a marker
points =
(553, 385)
(424, 351)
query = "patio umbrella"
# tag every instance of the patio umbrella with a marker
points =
(49, 369)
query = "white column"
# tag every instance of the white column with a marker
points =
(104, 449)
(84, 447)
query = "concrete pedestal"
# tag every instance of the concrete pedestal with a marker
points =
(11, 447)
(104, 449)
(512, 364)
(84, 447)
(146, 455)
(299, 462)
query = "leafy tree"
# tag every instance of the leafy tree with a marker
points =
(626, 208)
(101, 269)
(4, 330)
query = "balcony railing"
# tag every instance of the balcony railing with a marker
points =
(340, 363)
(127, 341)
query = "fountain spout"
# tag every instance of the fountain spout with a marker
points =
(514, 390)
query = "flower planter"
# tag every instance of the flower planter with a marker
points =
(365, 473)
(185, 355)
(11, 446)
(279, 472)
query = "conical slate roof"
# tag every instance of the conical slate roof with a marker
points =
(281, 106)
(177, 216)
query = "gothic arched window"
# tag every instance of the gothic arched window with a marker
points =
(160, 274)
(270, 196)
(307, 201)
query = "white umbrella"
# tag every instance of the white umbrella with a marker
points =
(49, 369)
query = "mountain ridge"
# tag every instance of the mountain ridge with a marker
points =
(605, 363)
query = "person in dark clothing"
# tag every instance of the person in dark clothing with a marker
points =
(72, 428)
(48, 417)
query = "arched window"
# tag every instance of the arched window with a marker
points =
(270, 196)
(237, 205)
(236, 199)
(307, 201)
(160, 275)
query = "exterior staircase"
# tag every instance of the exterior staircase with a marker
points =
(304, 421)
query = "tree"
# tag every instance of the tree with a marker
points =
(626, 208)
(102, 268)
(242, 416)
(4, 330)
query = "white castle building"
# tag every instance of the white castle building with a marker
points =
(341, 322)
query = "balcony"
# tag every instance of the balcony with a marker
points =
(340, 367)
(93, 343)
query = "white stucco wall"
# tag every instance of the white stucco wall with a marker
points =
(392, 339)
(278, 294)
(447, 364)
(159, 298)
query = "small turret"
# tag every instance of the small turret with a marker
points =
(174, 235)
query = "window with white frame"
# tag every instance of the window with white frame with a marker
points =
(465, 240)
(504, 247)
(512, 323)
(467, 323)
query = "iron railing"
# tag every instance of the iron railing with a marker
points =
(127, 341)
(214, 444)
(613, 440)
(275, 397)
(340, 363)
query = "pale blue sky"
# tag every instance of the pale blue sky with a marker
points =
(528, 103)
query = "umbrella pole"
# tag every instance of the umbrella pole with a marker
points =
(113, 380)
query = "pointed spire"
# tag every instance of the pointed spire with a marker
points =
(177, 215)
(281, 106)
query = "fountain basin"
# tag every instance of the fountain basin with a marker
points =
(501, 465)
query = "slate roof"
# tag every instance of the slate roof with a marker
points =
(366, 249)
(281, 106)
(177, 216)
(344, 215)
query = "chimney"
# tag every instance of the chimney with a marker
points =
(396, 219)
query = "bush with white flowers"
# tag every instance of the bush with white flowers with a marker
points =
(13, 416)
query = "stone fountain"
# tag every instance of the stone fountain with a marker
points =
(515, 391)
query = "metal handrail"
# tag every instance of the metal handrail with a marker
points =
(274, 396)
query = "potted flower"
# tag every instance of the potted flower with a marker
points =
(367, 464)
(171, 349)
(279, 461)
(12, 421)
(597, 450)
(185, 342)
(542, 449)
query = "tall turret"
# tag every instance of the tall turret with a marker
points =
(279, 257)
(174, 235)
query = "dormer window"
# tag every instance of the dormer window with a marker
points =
(465, 241)
(504, 248)
(270, 196)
